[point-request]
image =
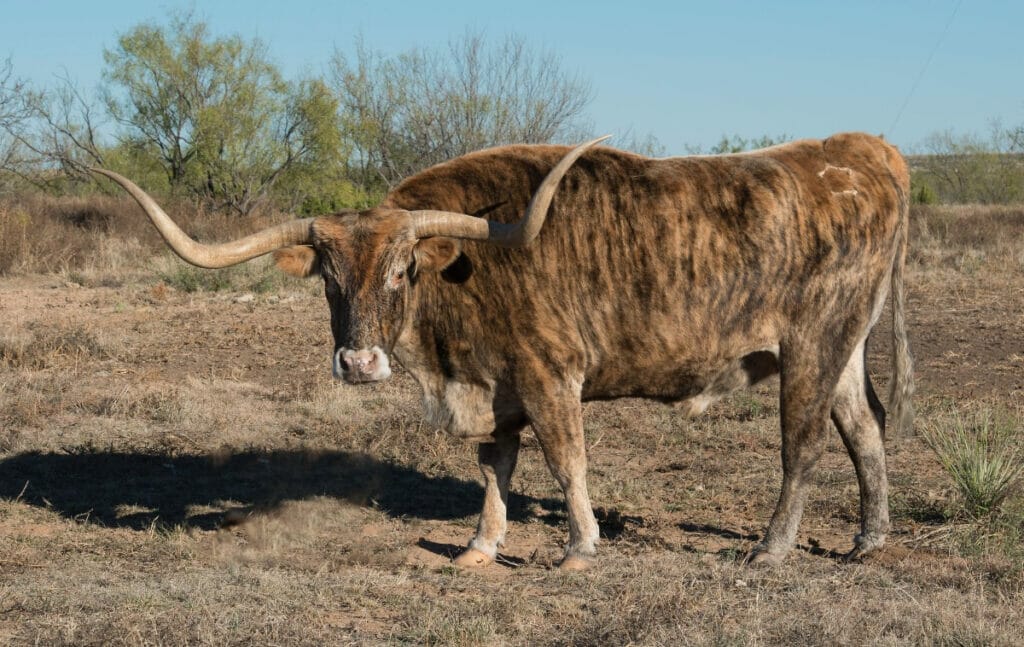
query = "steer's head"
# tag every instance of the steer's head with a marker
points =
(369, 261)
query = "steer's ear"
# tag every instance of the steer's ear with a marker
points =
(435, 254)
(299, 260)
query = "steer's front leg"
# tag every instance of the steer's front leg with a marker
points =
(497, 462)
(558, 423)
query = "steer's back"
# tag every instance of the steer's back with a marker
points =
(651, 275)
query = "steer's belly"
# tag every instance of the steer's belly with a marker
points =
(694, 386)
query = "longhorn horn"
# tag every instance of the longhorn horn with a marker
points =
(296, 232)
(427, 223)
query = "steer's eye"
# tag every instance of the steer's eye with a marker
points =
(397, 278)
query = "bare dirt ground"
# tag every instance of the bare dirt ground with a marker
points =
(179, 468)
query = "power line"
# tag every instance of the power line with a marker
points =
(924, 69)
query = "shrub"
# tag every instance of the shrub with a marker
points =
(982, 454)
(921, 192)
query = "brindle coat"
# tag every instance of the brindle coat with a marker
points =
(678, 279)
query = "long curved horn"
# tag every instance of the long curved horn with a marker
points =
(296, 232)
(428, 223)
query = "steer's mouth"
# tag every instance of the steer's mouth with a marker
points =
(358, 366)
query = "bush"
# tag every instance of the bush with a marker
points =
(333, 197)
(982, 454)
(964, 169)
(921, 192)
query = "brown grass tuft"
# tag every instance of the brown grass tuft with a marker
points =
(37, 346)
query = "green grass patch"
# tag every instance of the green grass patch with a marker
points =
(982, 453)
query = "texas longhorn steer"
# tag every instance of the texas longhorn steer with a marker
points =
(677, 279)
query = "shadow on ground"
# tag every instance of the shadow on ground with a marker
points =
(136, 490)
(725, 533)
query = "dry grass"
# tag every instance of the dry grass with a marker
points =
(968, 238)
(43, 234)
(37, 346)
(106, 242)
(177, 467)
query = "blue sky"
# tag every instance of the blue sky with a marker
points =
(686, 73)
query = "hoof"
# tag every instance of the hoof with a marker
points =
(864, 545)
(575, 564)
(761, 558)
(473, 558)
(695, 406)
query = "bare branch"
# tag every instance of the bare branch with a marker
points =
(422, 107)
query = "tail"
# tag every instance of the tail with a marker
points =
(901, 386)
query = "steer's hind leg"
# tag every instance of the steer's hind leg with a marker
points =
(497, 462)
(860, 419)
(806, 382)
